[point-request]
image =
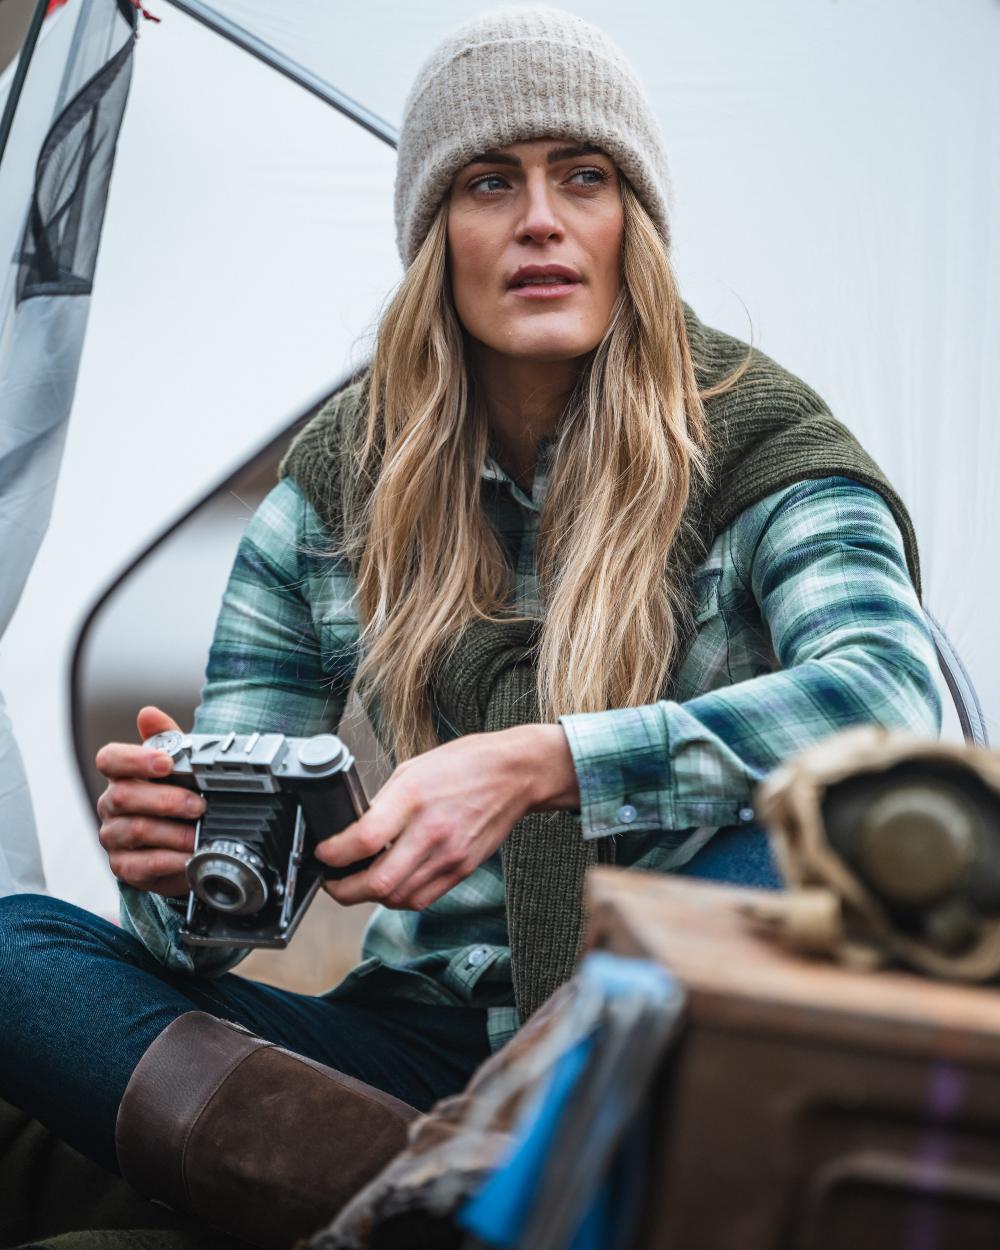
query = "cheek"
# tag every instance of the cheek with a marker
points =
(472, 266)
(608, 256)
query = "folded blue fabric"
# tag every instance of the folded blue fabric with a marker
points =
(623, 1004)
(497, 1213)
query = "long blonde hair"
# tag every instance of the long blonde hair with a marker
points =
(629, 449)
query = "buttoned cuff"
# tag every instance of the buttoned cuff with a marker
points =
(622, 769)
(654, 767)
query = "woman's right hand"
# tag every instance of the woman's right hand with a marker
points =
(147, 828)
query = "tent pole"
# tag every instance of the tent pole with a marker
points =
(23, 60)
(291, 69)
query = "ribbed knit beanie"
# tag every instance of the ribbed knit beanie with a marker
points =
(517, 74)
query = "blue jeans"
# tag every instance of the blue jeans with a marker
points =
(80, 1002)
(736, 855)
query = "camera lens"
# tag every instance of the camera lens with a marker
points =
(223, 894)
(227, 876)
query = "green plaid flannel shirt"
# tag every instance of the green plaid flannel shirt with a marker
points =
(807, 622)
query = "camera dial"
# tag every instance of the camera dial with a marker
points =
(321, 751)
(170, 740)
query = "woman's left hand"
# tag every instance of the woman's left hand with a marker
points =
(441, 814)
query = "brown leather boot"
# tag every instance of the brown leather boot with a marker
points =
(244, 1135)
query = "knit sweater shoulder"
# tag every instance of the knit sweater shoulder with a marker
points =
(767, 432)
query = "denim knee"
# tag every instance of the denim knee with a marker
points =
(18, 909)
(29, 923)
(38, 931)
(22, 916)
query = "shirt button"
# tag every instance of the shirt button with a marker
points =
(627, 813)
(478, 956)
(746, 814)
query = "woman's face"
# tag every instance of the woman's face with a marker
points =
(515, 215)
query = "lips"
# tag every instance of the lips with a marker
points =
(543, 275)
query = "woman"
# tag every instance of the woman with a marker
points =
(561, 536)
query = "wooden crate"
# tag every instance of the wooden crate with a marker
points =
(807, 1107)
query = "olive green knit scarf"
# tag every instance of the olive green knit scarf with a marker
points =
(769, 431)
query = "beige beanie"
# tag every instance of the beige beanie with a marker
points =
(513, 75)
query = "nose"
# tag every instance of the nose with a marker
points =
(539, 221)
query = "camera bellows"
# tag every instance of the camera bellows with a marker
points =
(240, 836)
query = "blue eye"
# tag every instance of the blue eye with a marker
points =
(600, 176)
(475, 186)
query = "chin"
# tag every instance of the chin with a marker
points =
(546, 348)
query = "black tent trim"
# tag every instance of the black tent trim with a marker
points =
(959, 683)
(312, 83)
(23, 61)
(63, 230)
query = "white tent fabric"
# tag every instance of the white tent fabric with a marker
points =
(39, 356)
(837, 196)
(41, 338)
(22, 521)
(20, 855)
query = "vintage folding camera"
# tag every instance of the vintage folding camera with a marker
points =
(268, 800)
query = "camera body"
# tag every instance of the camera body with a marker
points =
(268, 800)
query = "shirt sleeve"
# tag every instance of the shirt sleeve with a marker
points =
(285, 644)
(281, 661)
(825, 563)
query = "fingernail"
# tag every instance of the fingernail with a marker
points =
(162, 764)
(194, 806)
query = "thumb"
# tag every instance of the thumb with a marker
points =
(152, 721)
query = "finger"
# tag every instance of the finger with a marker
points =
(129, 833)
(125, 759)
(387, 879)
(354, 889)
(375, 884)
(160, 871)
(432, 891)
(368, 835)
(346, 896)
(151, 720)
(144, 798)
(172, 887)
(427, 882)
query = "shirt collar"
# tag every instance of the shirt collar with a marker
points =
(493, 471)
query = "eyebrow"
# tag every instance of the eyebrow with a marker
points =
(555, 155)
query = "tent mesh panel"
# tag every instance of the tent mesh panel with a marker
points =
(63, 229)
